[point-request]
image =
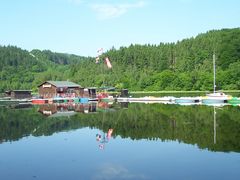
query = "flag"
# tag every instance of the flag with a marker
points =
(108, 63)
(99, 53)
(99, 50)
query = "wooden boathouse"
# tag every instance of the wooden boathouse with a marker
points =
(64, 89)
(19, 94)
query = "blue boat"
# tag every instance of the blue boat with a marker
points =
(84, 100)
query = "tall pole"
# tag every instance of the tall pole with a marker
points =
(214, 73)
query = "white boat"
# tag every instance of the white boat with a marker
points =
(215, 97)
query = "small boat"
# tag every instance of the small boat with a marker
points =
(216, 97)
(84, 100)
(39, 101)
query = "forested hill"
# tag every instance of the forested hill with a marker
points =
(184, 65)
(20, 69)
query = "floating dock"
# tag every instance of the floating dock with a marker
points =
(63, 100)
(147, 99)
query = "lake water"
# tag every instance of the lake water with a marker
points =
(119, 141)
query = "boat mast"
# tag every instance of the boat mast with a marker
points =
(214, 73)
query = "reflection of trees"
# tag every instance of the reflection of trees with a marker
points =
(189, 124)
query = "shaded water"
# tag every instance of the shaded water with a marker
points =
(148, 141)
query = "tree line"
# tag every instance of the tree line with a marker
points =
(183, 65)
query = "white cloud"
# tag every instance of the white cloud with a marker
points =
(108, 11)
(110, 171)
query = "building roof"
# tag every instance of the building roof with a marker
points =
(62, 83)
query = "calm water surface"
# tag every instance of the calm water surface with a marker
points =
(119, 141)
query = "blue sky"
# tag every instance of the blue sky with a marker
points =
(81, 27)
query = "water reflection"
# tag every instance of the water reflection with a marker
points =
(21, 106)
(58, 110)
(215, 129)
(103, 138)
(116, 171)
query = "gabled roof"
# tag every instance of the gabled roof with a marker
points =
(61, 84)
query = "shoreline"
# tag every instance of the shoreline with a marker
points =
(173, 92)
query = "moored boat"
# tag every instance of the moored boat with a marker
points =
(216, 97)
(84, 100)
(39, 101)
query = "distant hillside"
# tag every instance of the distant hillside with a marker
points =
(185, 65)
(20, 69)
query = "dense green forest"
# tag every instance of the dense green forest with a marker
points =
(184, 65)
(158, 122)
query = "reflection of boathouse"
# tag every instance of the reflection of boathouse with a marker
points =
(55, 110)
(64, 89)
